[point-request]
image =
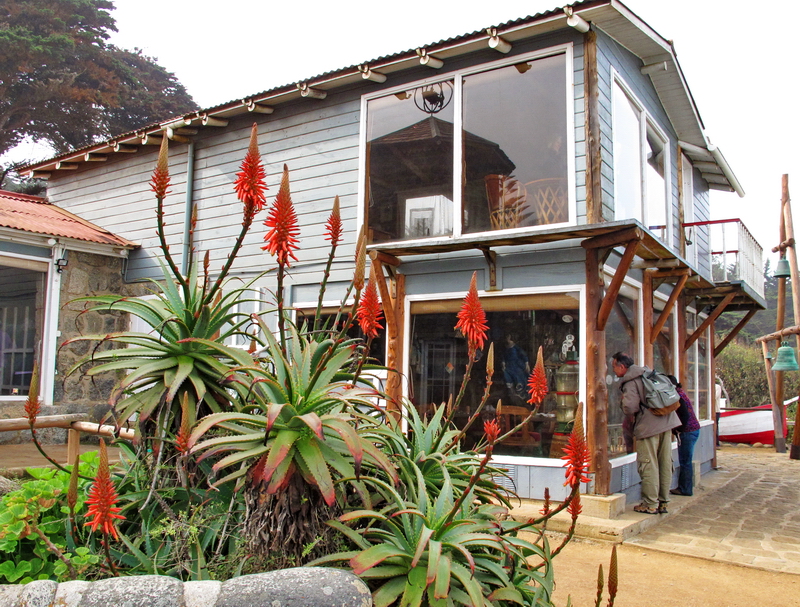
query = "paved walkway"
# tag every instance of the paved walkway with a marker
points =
(747, 512)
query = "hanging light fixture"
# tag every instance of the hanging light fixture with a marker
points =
(782, 269)
(785, 361)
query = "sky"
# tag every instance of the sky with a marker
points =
(740, 59)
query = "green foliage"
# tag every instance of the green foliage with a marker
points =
(62, 83)
(36, 533)
(741, 368)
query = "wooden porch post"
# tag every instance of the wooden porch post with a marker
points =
(597, 394)
(647, 317)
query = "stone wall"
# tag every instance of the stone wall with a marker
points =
(86, 274)
(299, 587)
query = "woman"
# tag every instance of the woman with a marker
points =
(687, 432)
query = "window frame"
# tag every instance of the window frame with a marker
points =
(579, 288)
(45, 355)
(457, 77)
(646, 123)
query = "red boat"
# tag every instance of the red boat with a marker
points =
(749, 425)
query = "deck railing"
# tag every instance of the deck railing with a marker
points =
(734, 255)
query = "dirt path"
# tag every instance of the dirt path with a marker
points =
(655, 579)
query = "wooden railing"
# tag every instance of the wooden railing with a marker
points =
(74, 423)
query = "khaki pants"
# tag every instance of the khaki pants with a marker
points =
(654, 462)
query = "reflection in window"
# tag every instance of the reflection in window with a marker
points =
(438, 358)
(22, 298)
(702, 401)
(513, 148)
(621, 336)
(662, 348)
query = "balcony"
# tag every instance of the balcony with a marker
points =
(727, 248)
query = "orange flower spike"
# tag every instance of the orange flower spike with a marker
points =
(492, 430)
(103, 498)
(546, 506)
(283, 225)
(369, 309)
(537, 384)
(160, 180)
(575, 507)
(250, 183)
(361, 260)
(333, 229)
(32, 404)
(472, 318)
(182, 439)
(577, 453)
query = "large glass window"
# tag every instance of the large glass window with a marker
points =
(663, 353)
(22, 301)
(509, 156)
(517, 327)
(640, 164)
(621, 336)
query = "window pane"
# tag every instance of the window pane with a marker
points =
(621, 336)
(656, 186)
(514, 145)
(662, 348)
(703, 380)
(21, 321)
(438, 358)
(627, 158)
(691, 360)
(410, 164)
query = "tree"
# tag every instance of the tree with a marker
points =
(61, 82)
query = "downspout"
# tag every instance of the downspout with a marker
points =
(189, 208)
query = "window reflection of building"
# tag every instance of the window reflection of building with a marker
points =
(438, 358)
(621, 336)
(663, 354)
(514, 133)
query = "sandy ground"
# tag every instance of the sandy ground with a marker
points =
(655, 579)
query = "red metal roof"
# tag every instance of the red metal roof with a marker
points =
(35, 214)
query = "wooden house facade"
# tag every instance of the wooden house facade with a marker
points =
(560, 156)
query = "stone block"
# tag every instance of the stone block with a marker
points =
(603, 506)
(298, 587)
(69, 593)
(201, 593)
(10, 594)
(39, 593)
(144, 590)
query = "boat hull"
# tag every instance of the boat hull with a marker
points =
(753, 425)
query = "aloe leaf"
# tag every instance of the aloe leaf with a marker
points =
(388, 593)
(372, 556)
(317, 467)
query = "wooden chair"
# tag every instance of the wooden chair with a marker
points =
(510, 417)
(548, 199)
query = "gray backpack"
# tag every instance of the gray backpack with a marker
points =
(660, 396)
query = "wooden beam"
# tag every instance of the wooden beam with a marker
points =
(647, 316)
(613, 239)
(43, 421)
(779, 335)
(673, 297)
(395, 350)
(597, 391)
(594, 186)
(491, 261)
(616, 284)
(707, 322)
(734, 332)
(773, 395)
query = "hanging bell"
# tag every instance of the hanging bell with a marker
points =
(785, 361)
(782, 269)
(769, 355)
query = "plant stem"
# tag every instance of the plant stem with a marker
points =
(246, 223)
(73, 574)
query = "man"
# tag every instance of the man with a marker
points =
(653, 437)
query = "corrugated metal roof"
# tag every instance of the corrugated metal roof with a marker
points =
(34, 214)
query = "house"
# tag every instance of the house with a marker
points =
(560, 156)
(49, 257)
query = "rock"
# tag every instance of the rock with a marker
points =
(201, 594)
(758, 444)
(135, 591)
(297, 587)
(39, 593)
(69, 594)
(7, 485)
(9, 594)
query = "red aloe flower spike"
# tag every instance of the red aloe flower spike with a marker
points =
(537, 384)
(32, 404)
(492, 430)
(160, 180)
(546, 506)
(103, 499)
(361, 260)
(369, 309)
(283, 225)
(575, 507)
(182, 439)
(250, 183)
(612, 577)
(577, 453)
(472, 318)
(333, 229)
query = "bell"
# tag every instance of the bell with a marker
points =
(785, 361)
(782, 269)
(769, 355)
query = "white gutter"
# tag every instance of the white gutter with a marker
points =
(726, 169)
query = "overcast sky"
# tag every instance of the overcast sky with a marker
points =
(740, 60)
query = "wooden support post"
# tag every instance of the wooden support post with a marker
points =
(616, 283)
(597, 391)
(673, 297)
(683, 362)
(791, 255)
(647, 316)
(708, 321)
(734, 332)
(594, 186)
(73, 446)
(713, 401)
(393, 312)
(777, 422)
